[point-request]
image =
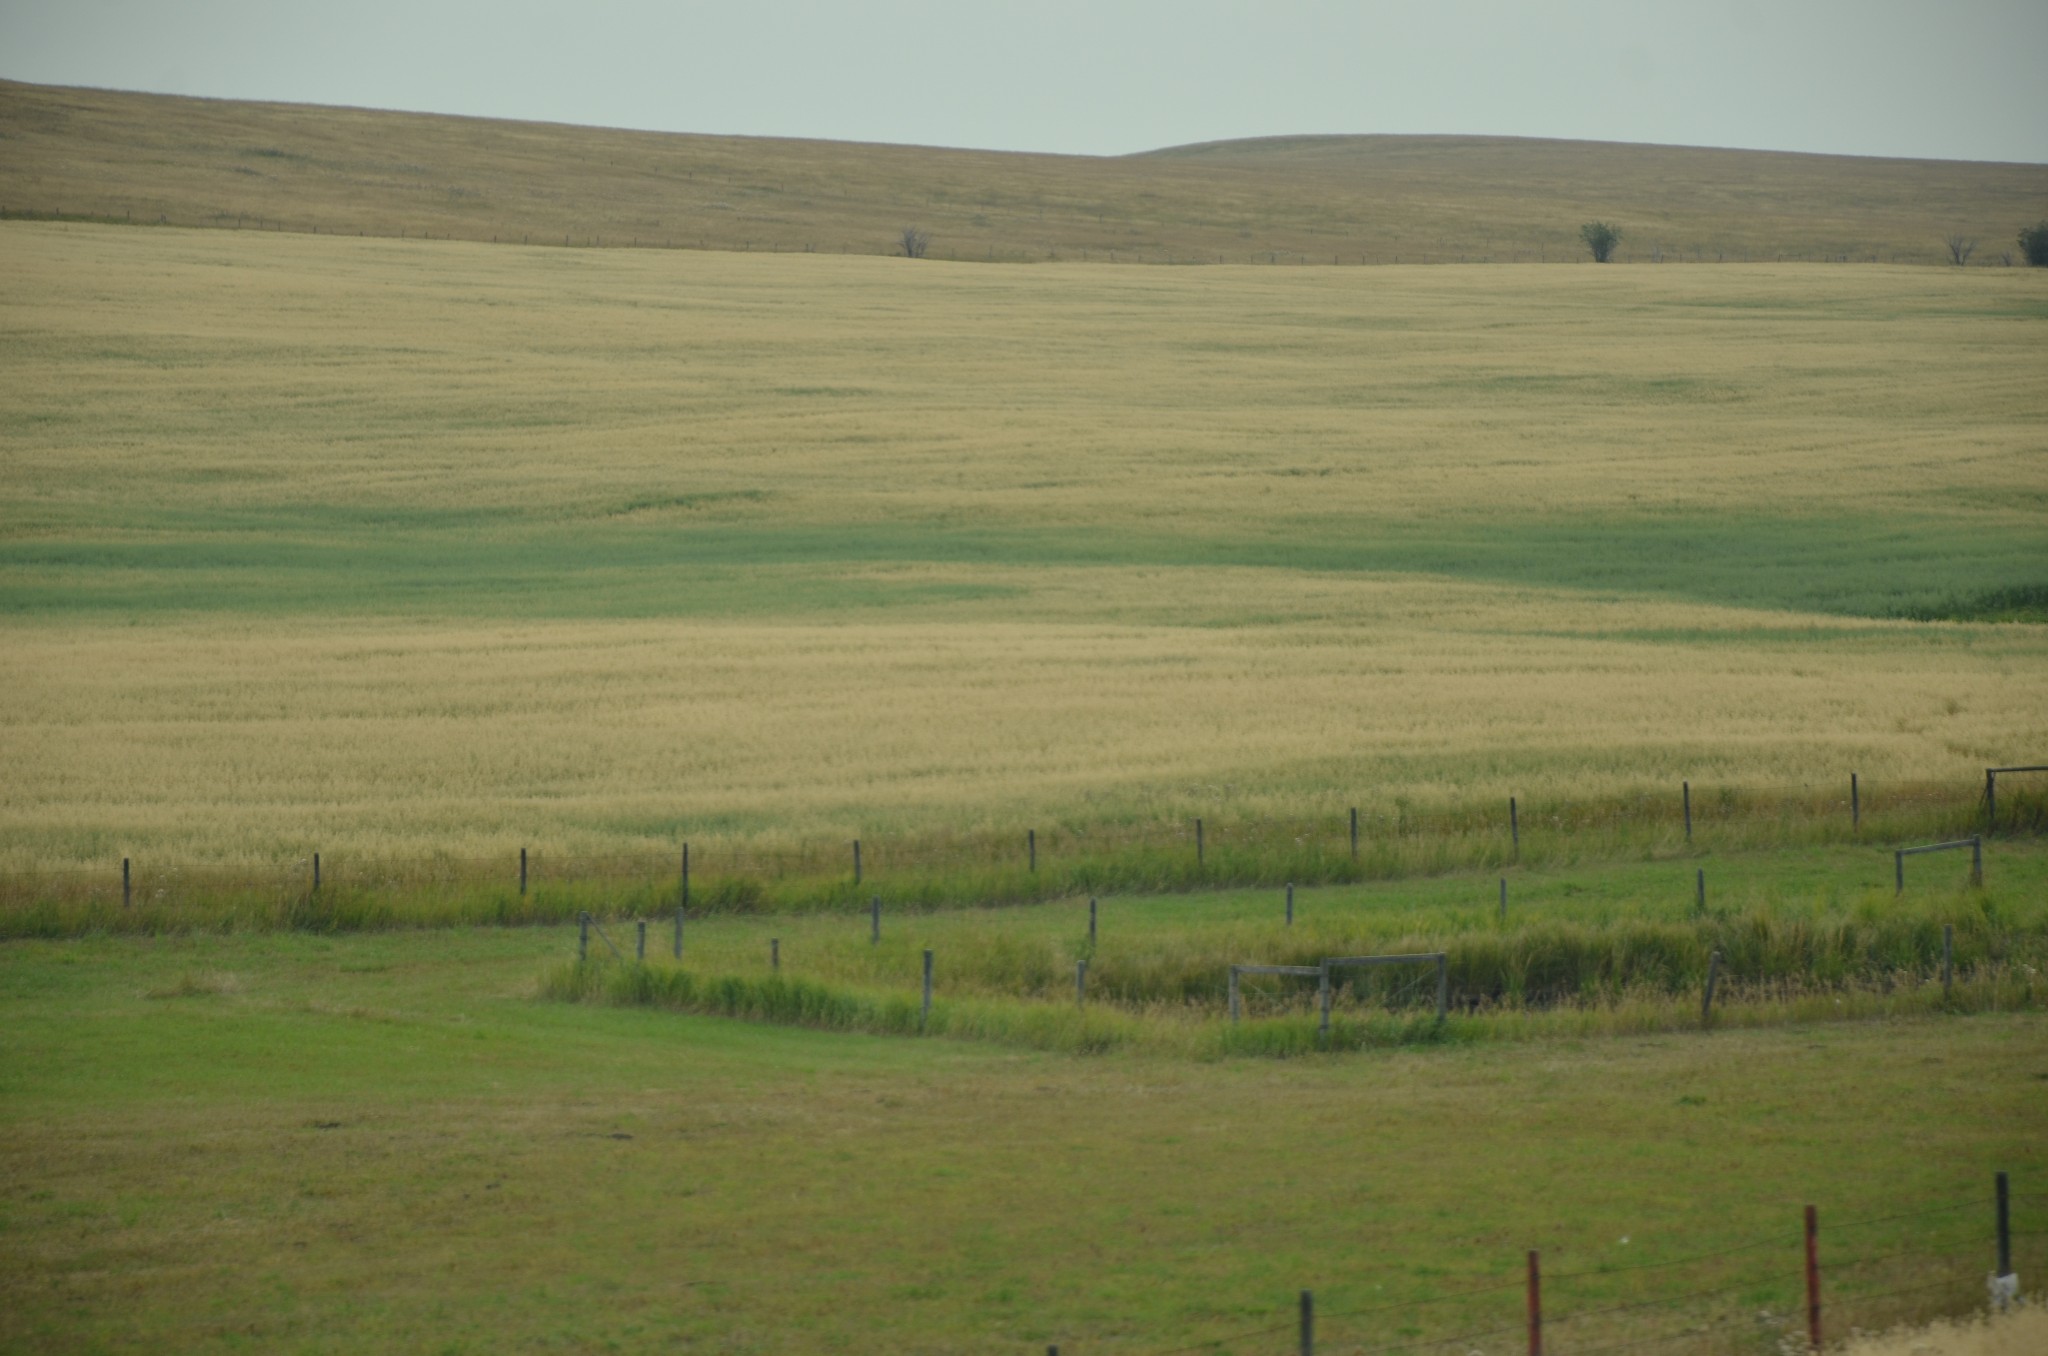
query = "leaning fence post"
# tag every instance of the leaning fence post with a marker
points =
(1813, 1278)
(1308, 1323)
(925, 1016)
(1707, 998)
(640, 947)
(127, 886)
(1535, 1305)
(1686, 787)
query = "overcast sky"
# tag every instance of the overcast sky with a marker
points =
(1960, 79)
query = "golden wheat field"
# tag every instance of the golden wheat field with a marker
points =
(412, 547)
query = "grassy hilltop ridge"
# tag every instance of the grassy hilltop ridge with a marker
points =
(1316, 200)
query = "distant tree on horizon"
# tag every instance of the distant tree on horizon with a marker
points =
(1960, 248)
(915, 242)
(1600, 238)
(2034, 244)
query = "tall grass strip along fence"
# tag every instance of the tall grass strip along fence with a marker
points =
(1387, 842)
(1797, 1289)
(1186, 993)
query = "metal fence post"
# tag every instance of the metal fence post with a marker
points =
(1514, 827)
(686, 876)
(1290, 903)
(1091, 920)
(1031, 842)
(925, 1017)
(856, 861)
(1535, 1305)
(522, 871)
(1308, 1323)
(1855, 804)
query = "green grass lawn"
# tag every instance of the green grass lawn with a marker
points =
(284, 1142)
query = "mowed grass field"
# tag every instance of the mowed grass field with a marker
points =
(384, 1142)
(402, 549)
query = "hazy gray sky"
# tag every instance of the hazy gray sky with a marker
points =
(1960, 79)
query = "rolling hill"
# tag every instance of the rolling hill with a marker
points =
(145, 158)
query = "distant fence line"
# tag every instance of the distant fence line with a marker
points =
(1354, 846)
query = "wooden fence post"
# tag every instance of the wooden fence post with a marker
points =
(925, 1016)
(2004, 1228)
(1707, 997)
(1308, 1323)
(1354, 833)
(679, 932)
(1290, 903)
(1233, 994)
(1535, 1305)
(1091, 920)
(856, 861)
(1699, 898)
(1813, 1278)
(1503, 901)
(127, 886)
(1198, 843)
(1081, 983)
(1031, 843)
(1686, 787)
(640, 947)
(1976, 861)
(1514, 827)
(1990, 800)
(686, 877)
(316, 871)
(1855, 804)
(522, 873)
(774, 953)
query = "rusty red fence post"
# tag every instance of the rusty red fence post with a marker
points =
(1535, 1306)
(1813, 1278)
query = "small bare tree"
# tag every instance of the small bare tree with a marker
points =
(915, 242)
(1960, 248)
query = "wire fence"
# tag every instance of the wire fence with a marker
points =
(1366, 842)
(1780, 1293)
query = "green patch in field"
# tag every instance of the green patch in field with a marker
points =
(661, 556)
